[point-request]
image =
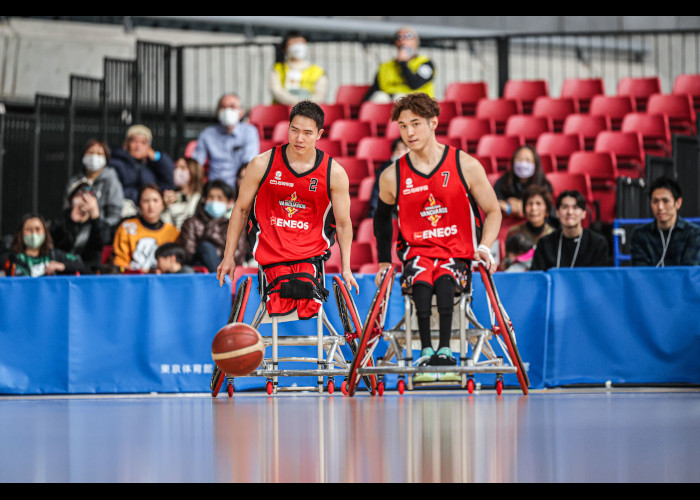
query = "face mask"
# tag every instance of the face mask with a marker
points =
(297, 51)
(229, 117)
(33, 240)
(524, 169)
(181, 177)
(93, 163)
(215, 208)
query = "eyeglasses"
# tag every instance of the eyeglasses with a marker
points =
(404, 36)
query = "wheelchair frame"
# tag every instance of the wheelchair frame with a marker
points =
(402, 340)
(329, 361)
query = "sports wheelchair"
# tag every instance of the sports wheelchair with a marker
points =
(476, 353)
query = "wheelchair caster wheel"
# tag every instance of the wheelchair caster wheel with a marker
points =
(470, 385)
(499, 386)
(344, 387)
(380, 388)
(269, 387)
(331, 387)
(401, 386)
(230, 388)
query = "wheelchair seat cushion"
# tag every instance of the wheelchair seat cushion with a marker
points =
(294, 286)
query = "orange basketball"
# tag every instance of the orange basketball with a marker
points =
(237, 349)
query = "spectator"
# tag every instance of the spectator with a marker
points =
(104, 181)
(526, 170)
(138, 164)
(203, 235)
(398, 149)
(537, 202)
(137, 238)
(572, 245)
(181, 204)
(294, 78)
(170, 259)
(81, 231)
(228, 145)
(32, 252)
(669, 240)
(519, 252)
(407, 73)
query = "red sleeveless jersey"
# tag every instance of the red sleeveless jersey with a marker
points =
(436, 212)
(292, 217)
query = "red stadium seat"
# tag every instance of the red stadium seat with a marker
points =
(527, 127)
(489, 163)
(448, 111)
(688, 84)
(601, 167)
(376, 114)
(358, 211)
(639, 88)
(357, 170)
(469, 129)
(331, 113)
(583, 90)
(556, 109)
(365, 231)
(266, 116)
(351, 97)
(369, 268)
(392, 131)
(265, 145)
(587, 126)
(500, 147)
(548, 162)
(525, 92)
(498, 110)
(189, 149)
(280, 133)
(349, 133)
(466, 95)
(376, 150)
(614, 107)
(361, 253)
(333, 264)
(364, 190)
(655, 131)
(560, 145)
(679, 109)
(628, 149)
(332, 147)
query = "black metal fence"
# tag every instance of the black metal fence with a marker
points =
(174, 89)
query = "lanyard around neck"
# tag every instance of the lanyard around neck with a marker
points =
(578, 245)
(664, 245)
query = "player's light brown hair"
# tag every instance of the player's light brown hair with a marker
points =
(419, 104)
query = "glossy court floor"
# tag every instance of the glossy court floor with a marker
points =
(554, 436)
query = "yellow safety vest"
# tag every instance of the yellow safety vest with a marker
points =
(309, 76)
(391, 80)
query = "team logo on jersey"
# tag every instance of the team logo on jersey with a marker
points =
(410, 189)
(292, 204)
(278, 182)
(433, 210)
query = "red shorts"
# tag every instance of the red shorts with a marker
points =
(427, 270)
(291, 287)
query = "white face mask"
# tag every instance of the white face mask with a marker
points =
(524, 169)
(93, 163)
(229, 117)
(297, 51)
(181, 177)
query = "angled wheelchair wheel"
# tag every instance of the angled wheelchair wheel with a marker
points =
(372, 329)
(505, 327)
(351, 325)
(240, 301)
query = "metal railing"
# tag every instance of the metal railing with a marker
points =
(174, 90)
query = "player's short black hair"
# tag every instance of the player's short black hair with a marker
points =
(580, 200)
(218, 184)
(308, 109)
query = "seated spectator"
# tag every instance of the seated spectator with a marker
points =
(181, 203)
(526, 170)
(229, 145)
(407, 73)
(203, 235)
(537, 201)
(137, 238)
(170, 259)
(104, 181)
(519, 252)
(81, 231)
(572, 245)
(398, 149)
(669, 240)
(138, 164)
(294, 78)
(32, 252)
